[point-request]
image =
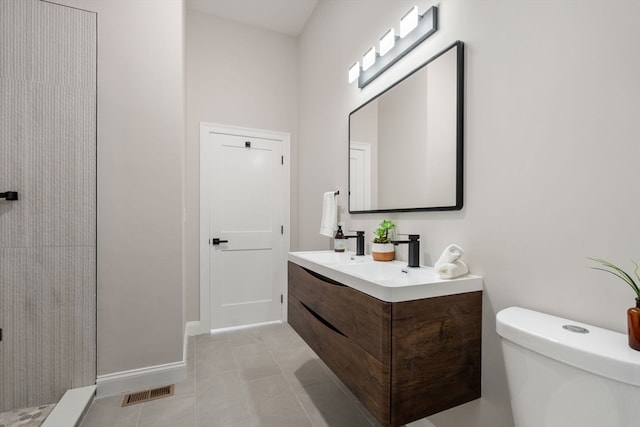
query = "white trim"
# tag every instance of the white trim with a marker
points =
(140, 379)
(205, 234)
(70, 410)
(237, 328)
(193, 328)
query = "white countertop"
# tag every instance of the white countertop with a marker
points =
(390, 281)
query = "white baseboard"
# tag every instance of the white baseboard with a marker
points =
(240, 327)
(193, 328)
(140, 379)
(152, 376)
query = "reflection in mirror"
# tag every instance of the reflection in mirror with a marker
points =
(405, 145)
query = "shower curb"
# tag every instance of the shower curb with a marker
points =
(71, 408)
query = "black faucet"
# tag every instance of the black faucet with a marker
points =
(359, 242)
(414, 249)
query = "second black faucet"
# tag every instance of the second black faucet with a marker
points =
(414, 249)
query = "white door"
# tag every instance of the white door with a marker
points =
(359, 176)
(247, 257)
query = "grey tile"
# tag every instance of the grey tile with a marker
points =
(174, 411)
(340, 384)
(214, 359)
(108, 412)
(246, 423)
(234, 413)
(248, 351)
(191, 349)
(219, 390)
(255, 361)
(243, 337)
(302, 367)
(186, 387)
(221, 400)
(265, 376)
(327, 405)
(211, 337)
(202, 346)
(279, 336)
(273, 403)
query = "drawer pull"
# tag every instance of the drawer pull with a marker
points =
(324, 279)
(321, 320)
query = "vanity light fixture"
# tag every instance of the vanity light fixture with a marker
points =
(414, 29)
(387, 42)
(354, 72)
(409, 22)
(368, 59)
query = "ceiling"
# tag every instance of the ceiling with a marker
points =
(283, 16)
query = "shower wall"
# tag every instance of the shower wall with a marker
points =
(48, 236)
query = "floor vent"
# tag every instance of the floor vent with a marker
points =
(147, 395)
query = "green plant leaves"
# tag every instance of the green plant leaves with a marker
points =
(382, 232)
(619, 273)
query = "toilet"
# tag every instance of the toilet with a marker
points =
(563, 373)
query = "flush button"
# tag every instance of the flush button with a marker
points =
(576, 329)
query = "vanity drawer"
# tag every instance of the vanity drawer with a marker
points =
(338, 304)
(436, 355)
(364, 375)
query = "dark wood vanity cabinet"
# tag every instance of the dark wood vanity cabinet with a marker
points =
(403, 360)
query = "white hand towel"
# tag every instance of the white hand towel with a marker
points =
(450, 254)
(452, 270)
(329, 223)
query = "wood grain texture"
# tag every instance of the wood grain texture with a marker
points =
(365, 320)
(363, 374)
(434, 346)
(436, 355)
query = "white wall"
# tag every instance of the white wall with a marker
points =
(241, 76)
(551, 159)
(140, 181)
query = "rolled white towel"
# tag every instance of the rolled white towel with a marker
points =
(452, 270)
(450, 254)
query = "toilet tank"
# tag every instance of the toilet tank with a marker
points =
(563, 373)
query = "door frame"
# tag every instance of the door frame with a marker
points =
(365, 147)
(205, 233)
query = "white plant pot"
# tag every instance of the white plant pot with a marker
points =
(383, 251)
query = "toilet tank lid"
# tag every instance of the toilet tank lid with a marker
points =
(600, 351)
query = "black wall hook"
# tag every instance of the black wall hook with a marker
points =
(9, 195)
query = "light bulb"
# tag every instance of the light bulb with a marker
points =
(409, 21)
(354, 72)
(368, 59)
(387, 42)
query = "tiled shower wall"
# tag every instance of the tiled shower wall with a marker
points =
(48, 237)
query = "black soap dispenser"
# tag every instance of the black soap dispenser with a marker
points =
(339, 242)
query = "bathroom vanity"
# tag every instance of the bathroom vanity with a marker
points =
(406, 343)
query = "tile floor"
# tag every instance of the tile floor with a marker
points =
(262, 376)
(28, 417)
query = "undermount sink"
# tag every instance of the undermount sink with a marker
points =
(390, 281)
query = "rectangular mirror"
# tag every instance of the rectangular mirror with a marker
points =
(405, 144)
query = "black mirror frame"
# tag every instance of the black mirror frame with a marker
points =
(459, 134)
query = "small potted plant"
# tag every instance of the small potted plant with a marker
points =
(382, 248)
(633, 313)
